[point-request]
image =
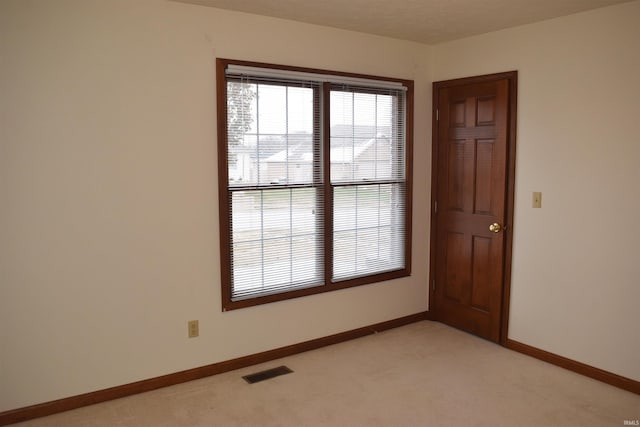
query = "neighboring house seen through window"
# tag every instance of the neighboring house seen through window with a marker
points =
(315, 189)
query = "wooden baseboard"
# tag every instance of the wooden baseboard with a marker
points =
(66, 404)
(572, 365)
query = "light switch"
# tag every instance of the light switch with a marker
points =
(194, 328)
(537, 199)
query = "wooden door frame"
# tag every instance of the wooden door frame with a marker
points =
(512, 77)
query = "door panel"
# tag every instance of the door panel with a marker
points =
(484, 168)
(456, 175)
(471, 192)
(486, 111)
(455, 255)
(481, 258)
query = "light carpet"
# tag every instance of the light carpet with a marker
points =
(423, 374)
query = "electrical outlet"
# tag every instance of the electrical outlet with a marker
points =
(194, 328)
(537, 199)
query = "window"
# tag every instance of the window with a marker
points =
(315, 188)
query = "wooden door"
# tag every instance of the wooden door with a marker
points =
(474, 145)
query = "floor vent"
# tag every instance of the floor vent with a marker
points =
(267, 375)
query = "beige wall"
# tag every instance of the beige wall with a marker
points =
(109, 192)
(108, 188)
(576, 261)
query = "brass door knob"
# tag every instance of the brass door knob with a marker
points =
(495, 227)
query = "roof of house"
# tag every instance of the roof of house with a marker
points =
(340, 153)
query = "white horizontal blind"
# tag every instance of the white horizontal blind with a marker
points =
(274, 187)
(277, 241)
(368, 181)
(275, 179)
(290, 75)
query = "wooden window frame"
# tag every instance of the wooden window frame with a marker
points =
(224, 195)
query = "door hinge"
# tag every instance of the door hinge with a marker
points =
(435, 207)
(437, 114)
(433, 284)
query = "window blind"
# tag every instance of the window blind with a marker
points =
(368, 181)
(275, 185)
(316, 182)
(291, 75)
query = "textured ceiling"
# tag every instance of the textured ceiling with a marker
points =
(426, 21)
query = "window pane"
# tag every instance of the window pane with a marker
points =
(277, 238)
(271, 133)
(308, 254)
(364, 111)
(367, 136)
(272, 109)
(344, 215)
(241, 135)
(277, 262)
(344, 254)
(369, 230)
(300, 110)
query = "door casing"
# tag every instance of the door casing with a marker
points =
(512, 77)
